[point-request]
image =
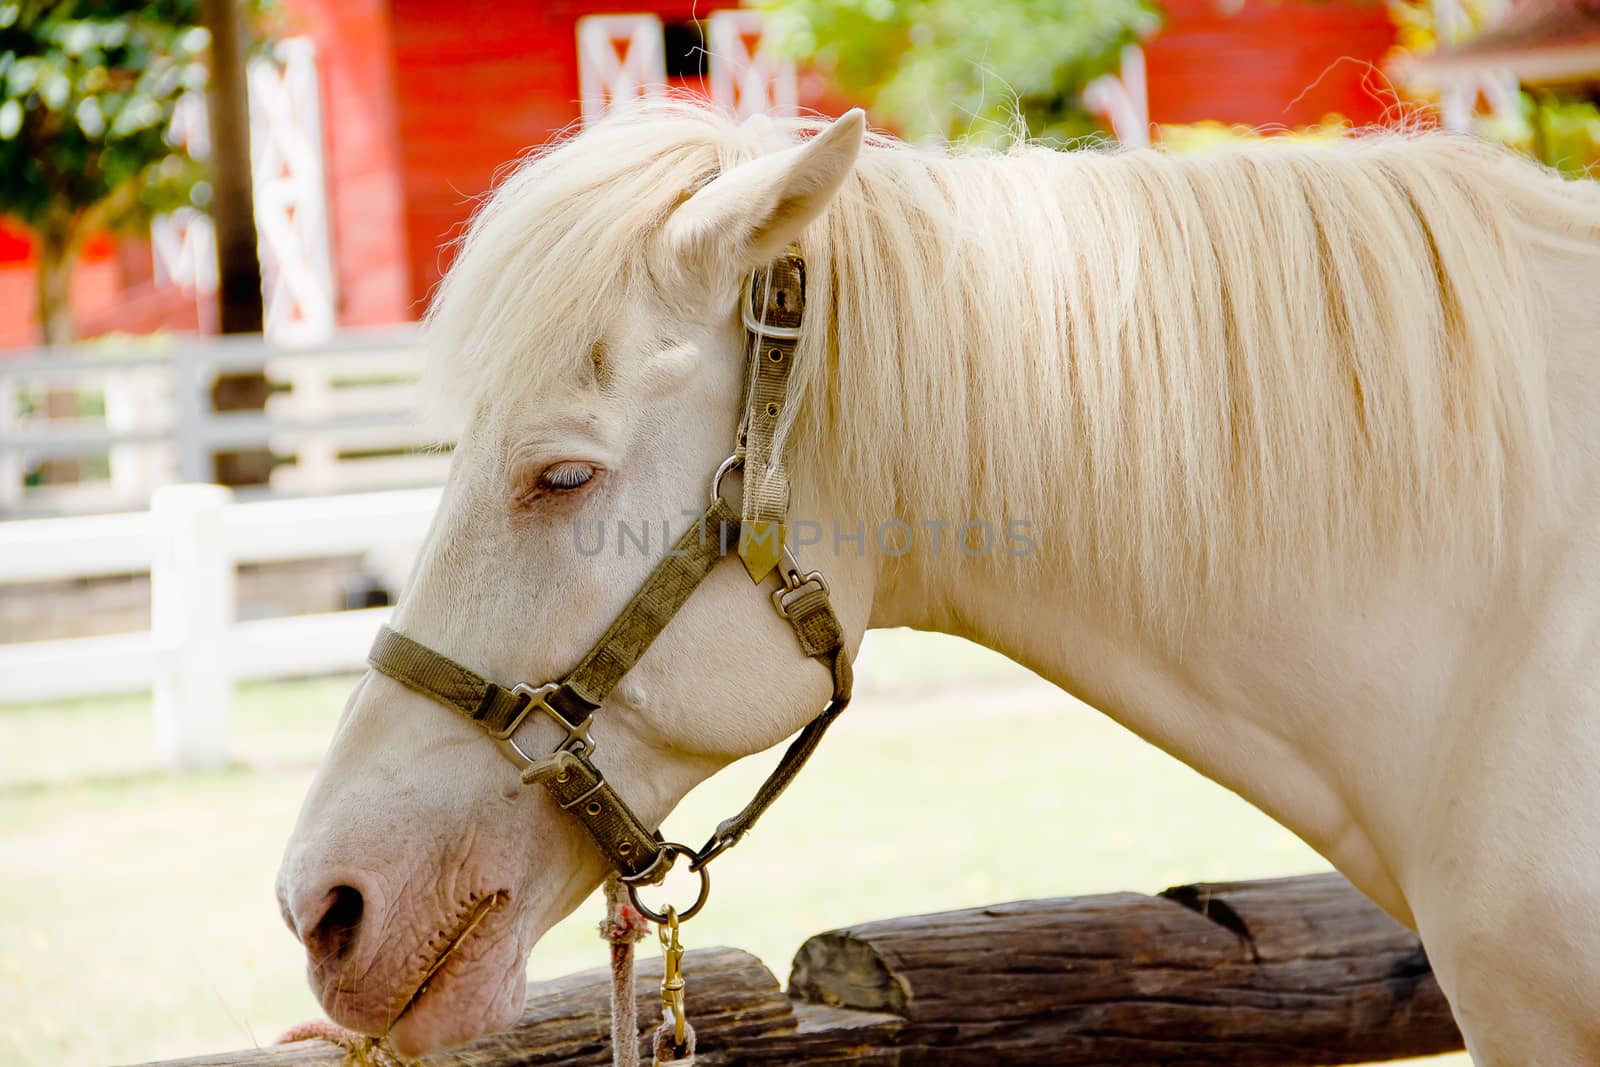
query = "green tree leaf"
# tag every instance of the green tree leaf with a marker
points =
(87, 91)
(967, 69)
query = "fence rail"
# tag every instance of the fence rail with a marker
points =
(354, 394)
(190, 542)
(1235, 974)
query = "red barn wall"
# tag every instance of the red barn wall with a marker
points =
(361, 155)
(1273, 61)
(18, 285)
(483, 81)
(425, 101)
(99, 284)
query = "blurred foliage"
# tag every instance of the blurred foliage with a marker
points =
(1201, 136)
(1563, 133)
(966, 69)
(87, 91)
(1560, 131)
(1419, 31)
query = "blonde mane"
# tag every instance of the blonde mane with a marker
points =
(1193, 375)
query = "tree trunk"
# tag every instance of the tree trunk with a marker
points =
(233, 213)
(55, 286)
(57, 256)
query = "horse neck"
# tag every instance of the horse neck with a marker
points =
(1326, 707)
(1311, 709)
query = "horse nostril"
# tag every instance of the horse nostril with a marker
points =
(331, 935)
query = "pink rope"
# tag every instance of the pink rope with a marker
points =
(662, 1047)
(622, 928)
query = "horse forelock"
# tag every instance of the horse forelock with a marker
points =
(558, 244)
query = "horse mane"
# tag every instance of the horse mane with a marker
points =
(1192, 375)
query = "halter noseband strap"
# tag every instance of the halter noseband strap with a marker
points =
(772, 318)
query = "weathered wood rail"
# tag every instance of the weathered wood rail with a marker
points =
(1292, 971)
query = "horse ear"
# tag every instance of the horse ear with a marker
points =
(746, 216)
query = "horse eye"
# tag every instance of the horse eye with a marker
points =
(565, 477)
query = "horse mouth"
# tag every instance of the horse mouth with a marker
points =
(461, 935)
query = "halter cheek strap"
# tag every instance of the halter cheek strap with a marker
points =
(772, 317)
(776, 304)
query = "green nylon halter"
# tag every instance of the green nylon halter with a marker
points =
(772, 319)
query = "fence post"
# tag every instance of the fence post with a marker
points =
(191, 399)
(12, 466)
(135, 400)
(191, 612)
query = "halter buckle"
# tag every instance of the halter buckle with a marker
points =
(767, 330)
(538, 700)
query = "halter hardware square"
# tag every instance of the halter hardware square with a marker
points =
(577, 735)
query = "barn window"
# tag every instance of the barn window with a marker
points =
(685, 48)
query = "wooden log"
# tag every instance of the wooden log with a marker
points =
(1290, 971)
(567, 1020)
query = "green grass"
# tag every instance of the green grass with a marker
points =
(274, 726)
(136, 911)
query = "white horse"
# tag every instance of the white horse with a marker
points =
(1304, 439)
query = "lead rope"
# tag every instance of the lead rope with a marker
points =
(624, 927)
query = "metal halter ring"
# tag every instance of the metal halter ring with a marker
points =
(670, 851)
(732, 463)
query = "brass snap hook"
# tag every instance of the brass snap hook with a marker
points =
(672, 984)
(794, 583)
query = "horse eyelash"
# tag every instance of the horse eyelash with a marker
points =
(565, 477)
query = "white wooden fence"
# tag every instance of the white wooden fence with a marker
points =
(190, 541)
(344, 415)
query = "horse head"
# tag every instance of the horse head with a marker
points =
(590, 332)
